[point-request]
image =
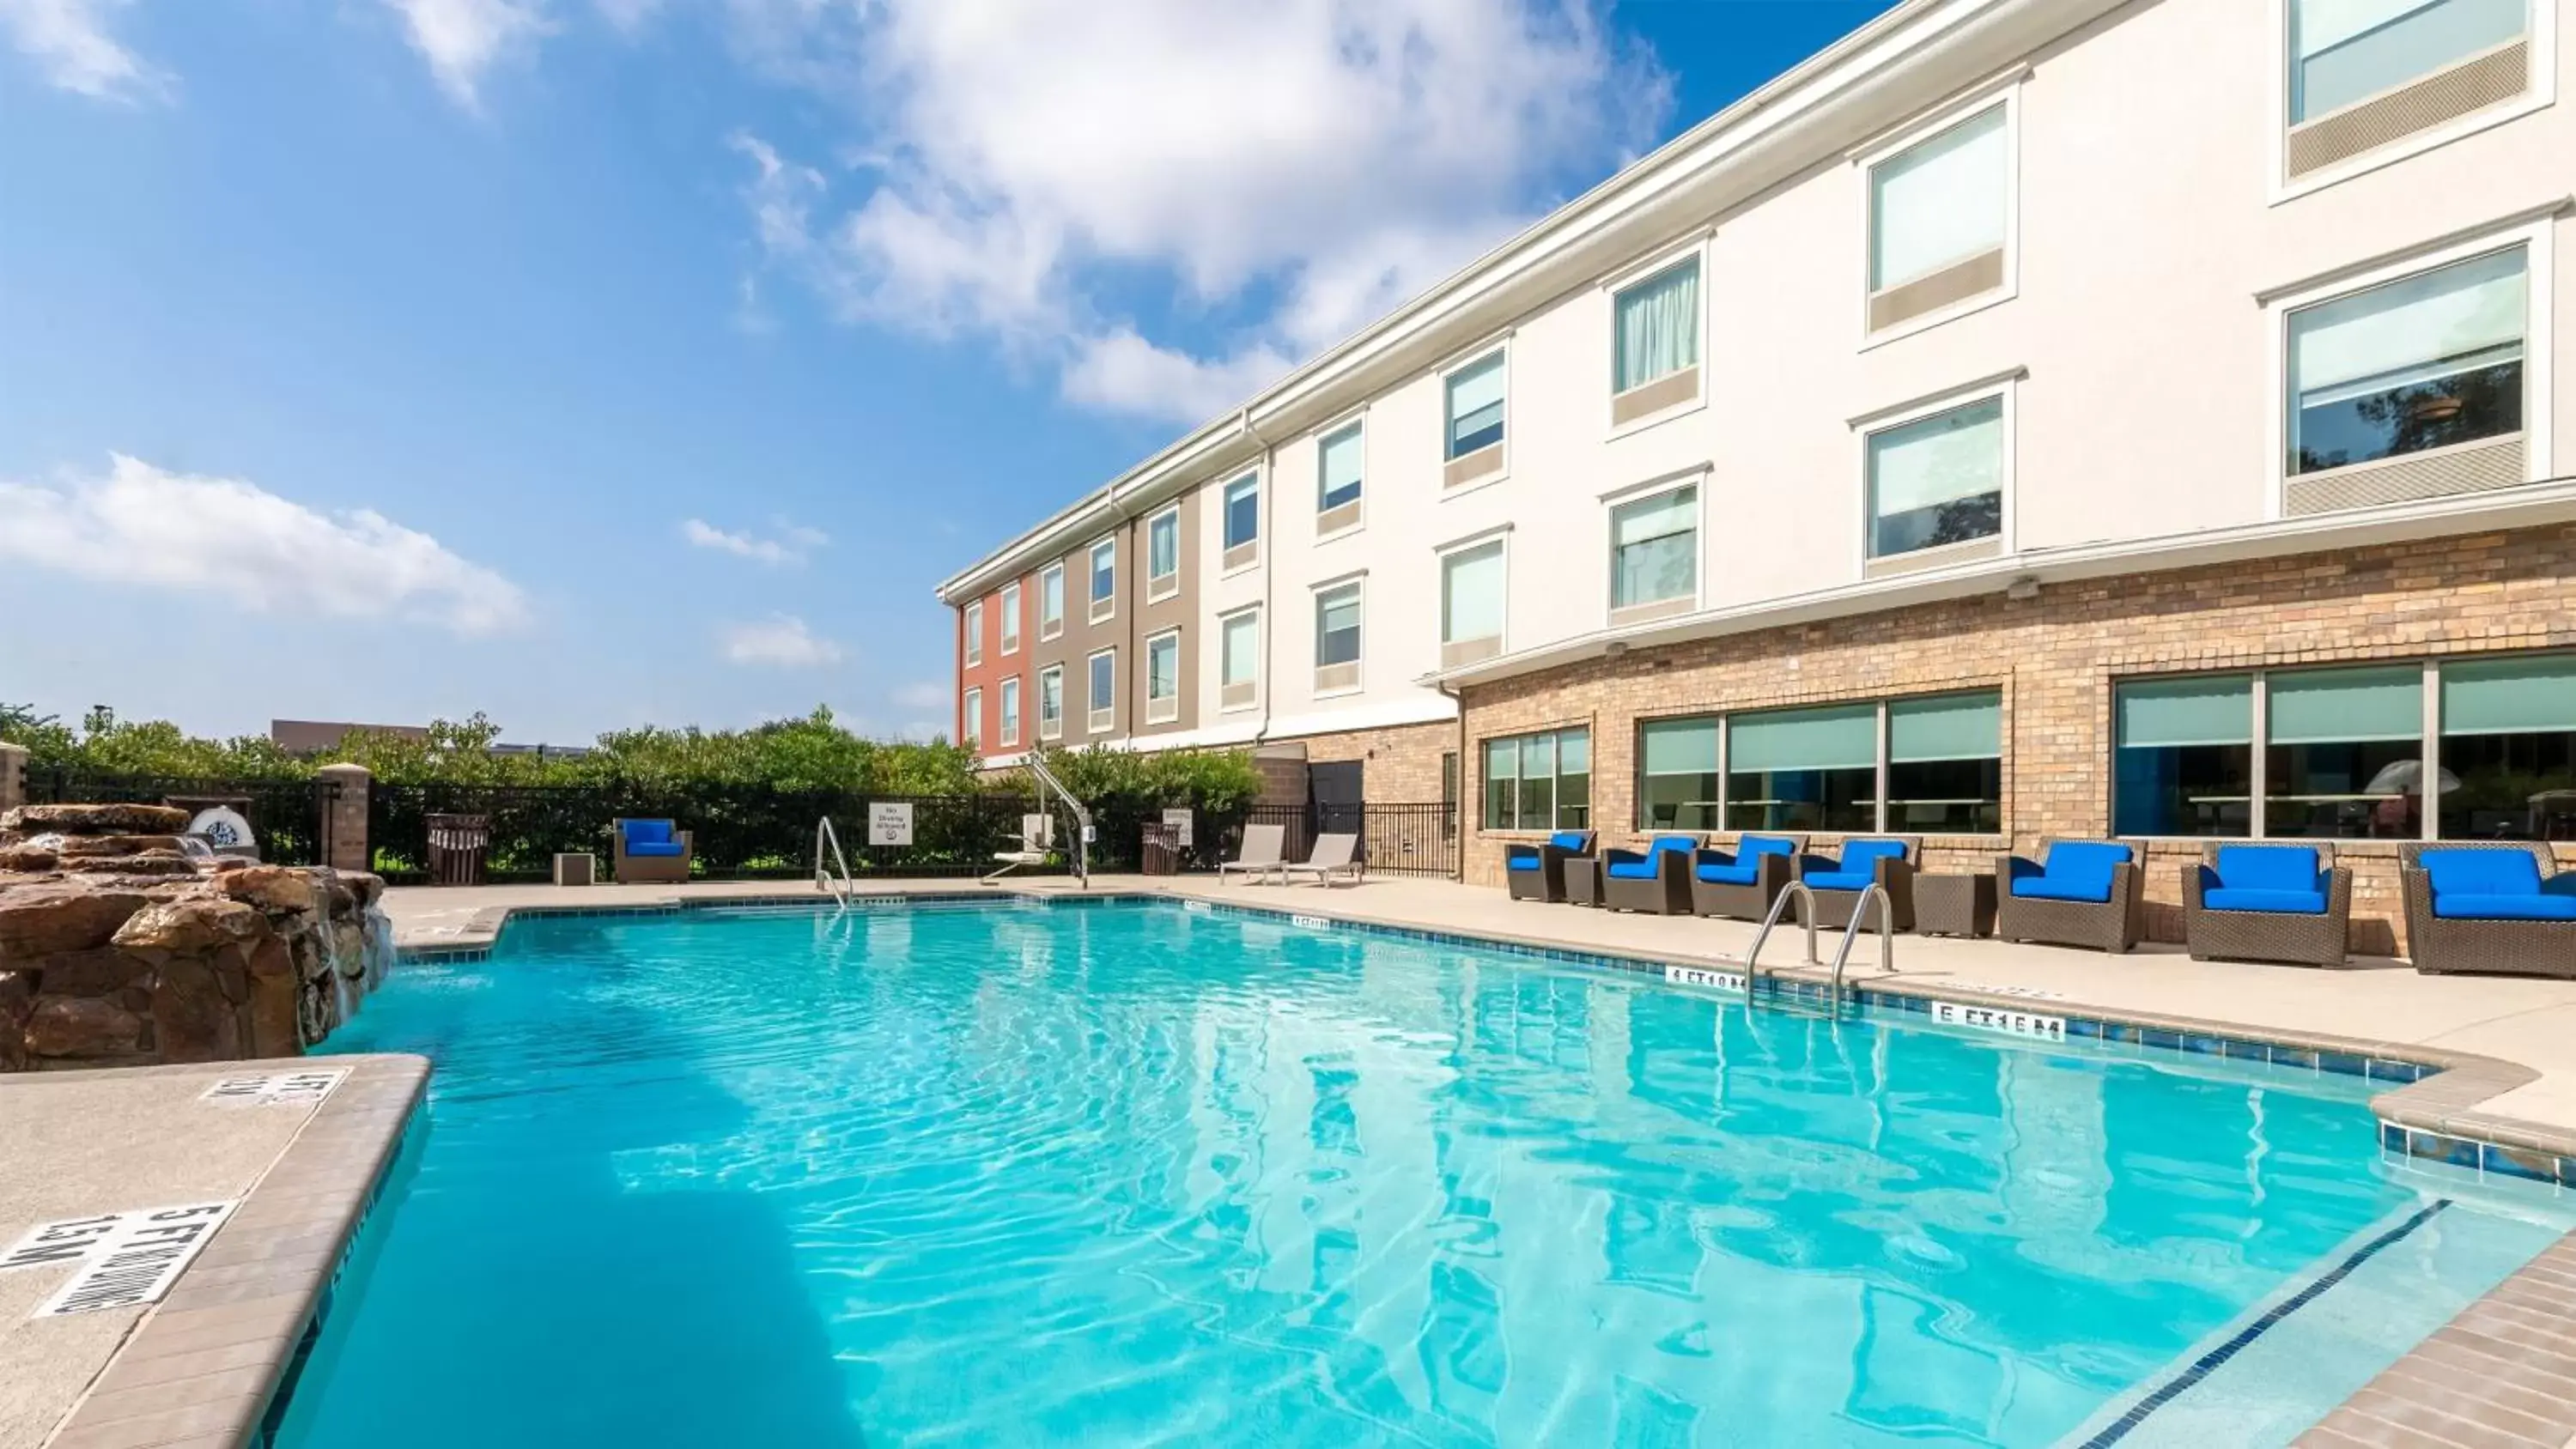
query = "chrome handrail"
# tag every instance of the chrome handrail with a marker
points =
(846, 887)
(1806, 917)
(1851, 930)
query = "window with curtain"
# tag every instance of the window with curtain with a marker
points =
(1051, 703)
(1010, 711)
(2423, 362)
(2184, 764)
(1163, 545)
(975, 632)
(1163, 669)
(1937, 480)
(1657, 323)
(1539, 782)
(1051, 599)
(1242, 510)
(1104, 570)
(2508, 766)
(1803, 769)
(1337, 469)
(1654, 549)
(1337, 626)
(2347, 51)
(2343, 752)
(1677, 774)
(1104, 681)
(973, 726)
(1940, 201)
(1471, 594)
(1945, 767)
(1476, 406)
(1240, 646)
(1502, 784)
(1010, 618)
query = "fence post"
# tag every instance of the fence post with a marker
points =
(344, 817)
(13, 776)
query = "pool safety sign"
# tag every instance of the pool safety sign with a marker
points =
(275, 1089)
(2006, 1023)
(1695, 976)
(1177, 825)
(889, 822)
(124, 1260)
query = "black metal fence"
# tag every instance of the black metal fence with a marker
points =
(1399, 838)
(291, 819)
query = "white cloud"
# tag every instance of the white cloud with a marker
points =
(791, 546)
(925, 694)
(461, 39)
(1285, 169)
(780, 641)
(69, 41)
(144, 525)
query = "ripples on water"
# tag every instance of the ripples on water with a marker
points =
(1127, 1175)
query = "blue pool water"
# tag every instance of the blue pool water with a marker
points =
(1125, 1174)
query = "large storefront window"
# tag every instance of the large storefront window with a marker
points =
(1539, 782)
(2344, 753)
(1945, 767)
(1803, 769)
(1677, 774)
(2508, 760)
(2185, 761)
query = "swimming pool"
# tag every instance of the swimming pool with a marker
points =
(1122, 1173)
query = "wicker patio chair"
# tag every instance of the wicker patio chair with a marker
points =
(650, 852)
(2286, 902)
(2078, 893)
(1745, 881)
(1655, 880)
(1836, 887)
(1535, 869)
(2501, 914)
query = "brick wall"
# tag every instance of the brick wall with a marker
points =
(2054, 658)
(1402, 763)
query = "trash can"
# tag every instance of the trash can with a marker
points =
(1160, 855)
(456, 846)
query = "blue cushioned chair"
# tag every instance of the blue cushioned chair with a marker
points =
(2489, 905)
(650, 851)
(1655, 880)
(1835, 888)
(1535, 869)
(2078, 893)
(2285, 902)
(1743, 882)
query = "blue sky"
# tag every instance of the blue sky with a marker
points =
(600, 362)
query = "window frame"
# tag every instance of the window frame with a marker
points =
(2007, 388)
(1159, 587)
(2536, 237)
(1500, 347)
(1556, 781)
(1167, 710)
(1252, 611)
(1619, 498)
(1348, 422)
(1722, 720)
(1697, 248)
(1097, 609)
(1010, 607)
(971, 735)
(1056, 732)
(974, 629)
(1056, 571)
(2004, 91)
(1357, 585)
(1500, 537)
(1225, 520)
(2540, 91)
(1092, 708)
(1010, 707)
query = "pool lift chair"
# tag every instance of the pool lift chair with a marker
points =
(1037, 846)
(1037, 830)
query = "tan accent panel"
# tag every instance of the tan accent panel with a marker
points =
(1647, 399)
(1662, 609)
(1241, 554)
(2434, 473)
(1468, 651)
(1236, 696)
(2472, 85)
(1162, 711)
(1104, 609)
(1475, 465)
(1102, 720)
(1337, 676)
(1334, 520)
(1954, 283)
(1932, 558)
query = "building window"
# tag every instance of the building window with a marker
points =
(1471, 604)
(1657, 327)
(970, 730)
(1163, 678)
(2184, 764)
(1654, 550)
(1337, 638)
(1163, 552)
(2508, 761)
(975, 632)
(2344, 52)
(1337, 478)
(1102, 701)
(1939, 214)
(1051, 702)
(2429, 361)
(1010, 618)
(1476, 406)
(1937, 480)
(1677, 774)
(1010, 712)
(1803, 769)
(2344, 752)
(1945, 766)
(1104, 579)
(1051, 601)
(1539, 782)
(1239, 659)
(1242, 520)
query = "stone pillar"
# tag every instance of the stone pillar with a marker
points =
(13, 776)
(345, 818)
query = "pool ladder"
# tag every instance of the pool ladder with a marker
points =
(842, 888)
(1872, 895)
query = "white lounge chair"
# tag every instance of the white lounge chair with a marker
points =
(1037, 841)
(1263, 847)
(1335, 854)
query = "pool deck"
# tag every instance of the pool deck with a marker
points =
(198, 1370)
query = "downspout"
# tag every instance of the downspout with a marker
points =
(1460, 804)
(1269, 568)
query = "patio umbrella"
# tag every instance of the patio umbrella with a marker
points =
(2406, 777)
